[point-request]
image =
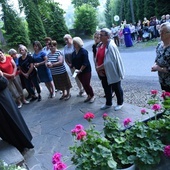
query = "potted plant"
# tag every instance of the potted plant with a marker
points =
(141, 144)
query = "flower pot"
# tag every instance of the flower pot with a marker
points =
(132, 167)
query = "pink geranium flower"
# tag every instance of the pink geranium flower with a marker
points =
(143, 111)
(56, 158)
(88, 116)
(156, 107)
(165, 95)
(81, 135)
(167, 150)
(105, 115)
(77, 129)
(60, 166)
(126, 122)
(154, 92)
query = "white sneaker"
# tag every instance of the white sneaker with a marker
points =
(53, 95)
(92, 99)
(118, 107)
(19, 106)
(105, 107)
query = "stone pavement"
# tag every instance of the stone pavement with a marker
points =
(51, 120)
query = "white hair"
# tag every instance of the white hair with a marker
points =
(67, 36)
(12, 51)
(78, 40)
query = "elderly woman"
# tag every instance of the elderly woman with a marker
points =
(162, 61)
(44, 73)
(29, 73)
(68, 50)
(81, 63)
(13, 128)
(58, 71)
(9, 69)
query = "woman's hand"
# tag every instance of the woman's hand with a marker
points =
(1, 73)
(36, 64)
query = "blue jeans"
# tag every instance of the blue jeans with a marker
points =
(109, 89)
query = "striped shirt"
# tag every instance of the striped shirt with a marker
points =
(54, 58)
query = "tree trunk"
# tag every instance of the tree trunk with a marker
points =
(132, 11)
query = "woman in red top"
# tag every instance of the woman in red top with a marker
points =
(9, 69)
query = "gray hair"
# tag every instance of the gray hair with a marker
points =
(78, 40)
(107, 31)
(67, 36)
(12, 51)
(167, 26)
(22, 47)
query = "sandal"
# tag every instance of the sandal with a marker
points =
(67, 97)
(62, 97)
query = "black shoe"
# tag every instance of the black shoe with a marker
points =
(39, 98)
(33, 99)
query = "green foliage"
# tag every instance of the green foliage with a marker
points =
(4, 166)
(85, 19)
(35, 24)
(93, 152)
(149, 8)
(54, 24)
(142, 8)
(78, 3)
(15, 28)
(108, 16)
(139, 144)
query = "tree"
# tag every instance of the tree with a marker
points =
(35, 24)
(85, 19)
(108, 16)
(149, 8)
(15, 27)
(78, 3)
(54, 24)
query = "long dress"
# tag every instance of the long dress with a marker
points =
(127, 37)
(13, 128)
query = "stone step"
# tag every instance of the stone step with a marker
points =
(10, 154)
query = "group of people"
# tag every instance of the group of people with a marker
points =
(47, 65)
(128, 33)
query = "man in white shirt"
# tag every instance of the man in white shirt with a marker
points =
(132, 31)
(114, 31)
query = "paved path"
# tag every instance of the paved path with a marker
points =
(51, 120)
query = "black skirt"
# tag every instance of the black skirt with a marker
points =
(13, 128)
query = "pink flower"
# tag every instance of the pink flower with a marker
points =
(154, 92)
(88, 116)
(81, 135)
(105, 115)
(167, 150)
(156, 107)
(143, 111)
(126, 122)
(60, 166)
(165, 95)
(56, 158)
(77, 129)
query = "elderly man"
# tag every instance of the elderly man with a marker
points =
(110, 69)
(162, 61)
